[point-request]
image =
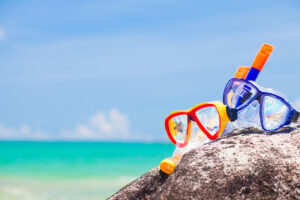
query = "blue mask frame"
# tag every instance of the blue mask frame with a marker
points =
(292, 115)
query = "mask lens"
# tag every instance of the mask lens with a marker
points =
(209, 118)
(239, 93)
(249, 117)
(274, 112)
(178, 127)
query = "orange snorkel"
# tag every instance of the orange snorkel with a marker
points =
(241, 72)
(259, 62)
(251, 73)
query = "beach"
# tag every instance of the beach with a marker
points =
(73, 170)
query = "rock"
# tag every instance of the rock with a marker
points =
(247, 164)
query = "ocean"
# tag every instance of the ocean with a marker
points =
(73, 170)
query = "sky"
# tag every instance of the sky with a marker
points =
(113, 70)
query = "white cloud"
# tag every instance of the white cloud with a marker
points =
(115, 122)
(24, 132)
(2, 33)
(112, 125)
(101, 126)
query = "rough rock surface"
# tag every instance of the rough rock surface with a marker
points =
(243, 165)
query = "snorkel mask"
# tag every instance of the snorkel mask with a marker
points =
(270, 110)
(182, 129)
(258, 106)
(200, 124)
(211, 118)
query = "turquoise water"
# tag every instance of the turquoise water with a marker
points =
(73, 170)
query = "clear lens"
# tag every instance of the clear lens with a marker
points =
(274, 112)
(251, 113)
(249, 117)
(209, 118)
(238, 94)
(178, 127)
(197, 135)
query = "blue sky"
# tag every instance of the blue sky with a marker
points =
(113, 70)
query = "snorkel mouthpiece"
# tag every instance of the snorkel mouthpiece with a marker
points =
(231, 113)
(167, 166)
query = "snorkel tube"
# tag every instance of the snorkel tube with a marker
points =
(168, 165)
(241, 72)
(259, 62)
(251, 73)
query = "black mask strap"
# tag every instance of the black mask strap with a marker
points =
(296, 117)
(231, 113)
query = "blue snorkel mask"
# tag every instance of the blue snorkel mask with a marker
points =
(258, 108)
